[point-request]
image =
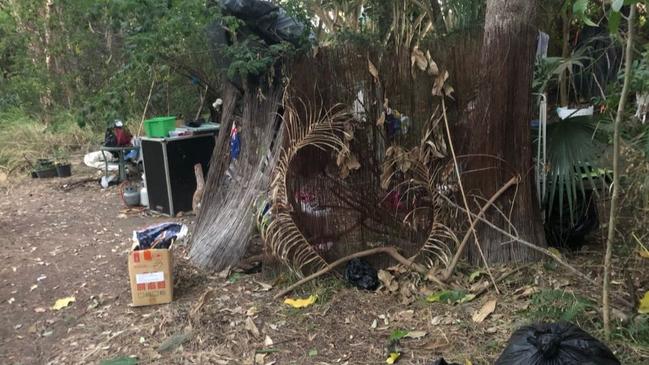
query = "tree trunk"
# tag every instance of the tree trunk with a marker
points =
(628, 59)
(499, 130)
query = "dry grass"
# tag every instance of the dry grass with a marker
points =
(23, 138)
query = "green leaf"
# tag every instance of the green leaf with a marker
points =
(450, 297)
(617, 5)
(475, 275)
(171, 343)
(123, 360)
(234, 277)
(396, 335)
(580, 6)
(313, 352)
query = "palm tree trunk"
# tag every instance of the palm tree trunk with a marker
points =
(499, 127)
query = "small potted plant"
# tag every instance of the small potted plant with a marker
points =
(45, 168)
(63, 166)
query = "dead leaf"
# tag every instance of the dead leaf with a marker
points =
(381, 120)
(433, 70)
(418, 58)
(352, 163)
(39, 310)
(268, 342)
(62, 303)
(373, 71)
(415, 334)
(440, 80)
(388, 281)
(252, 311)
(264, 286)
(252, 327)
(259, 359)
(484, 312)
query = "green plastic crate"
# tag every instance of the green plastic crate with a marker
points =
(159, 127)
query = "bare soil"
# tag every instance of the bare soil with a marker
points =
(58, 242)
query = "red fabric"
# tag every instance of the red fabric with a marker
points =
(123, 137)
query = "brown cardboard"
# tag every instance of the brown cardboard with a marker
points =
(151, 276)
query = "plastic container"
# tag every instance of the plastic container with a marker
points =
(46, 172)
(144, 197)
(159, 127)
(64, 170)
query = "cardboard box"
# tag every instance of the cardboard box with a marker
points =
(151, 275)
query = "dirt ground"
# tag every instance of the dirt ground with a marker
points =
(58, 242)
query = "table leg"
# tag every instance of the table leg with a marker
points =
(122, 168)
(103, 153)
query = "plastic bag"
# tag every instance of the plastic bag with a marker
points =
(361, 274)
(555, 344)
(158, 236)
(441, 361)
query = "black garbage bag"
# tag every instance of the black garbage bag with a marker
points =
(361, 274)
(268, 20)
(555, 344)
(441, 361)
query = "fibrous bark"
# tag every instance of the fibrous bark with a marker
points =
(498, 130)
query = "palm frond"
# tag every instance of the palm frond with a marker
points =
(305, 127)
(573, 165)
(423, 168)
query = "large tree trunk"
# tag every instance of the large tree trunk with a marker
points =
(500, 128)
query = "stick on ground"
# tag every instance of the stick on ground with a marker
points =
(391, 251)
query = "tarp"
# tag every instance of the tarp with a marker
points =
(268, 20)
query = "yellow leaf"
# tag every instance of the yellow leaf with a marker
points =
(644, 304)
(468, 362)
(301, 303)
(62, 303)
(394, 356)
(643, 254)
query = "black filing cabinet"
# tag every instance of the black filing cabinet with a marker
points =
(169, 170)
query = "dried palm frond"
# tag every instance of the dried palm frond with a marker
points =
(423, 169)
(328, 130)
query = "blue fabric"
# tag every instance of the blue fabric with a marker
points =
(157, 236)
(235, 143)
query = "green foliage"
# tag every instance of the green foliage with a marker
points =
(397, 335)
(251, 57)
(640, 76)
(636, 331)
(466, 14)
(551, 305)
(573, 159)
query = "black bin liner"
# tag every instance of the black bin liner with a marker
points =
(268, 20)
(361, 274)
(555, 344)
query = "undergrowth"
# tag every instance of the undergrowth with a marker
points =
(23, 139)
